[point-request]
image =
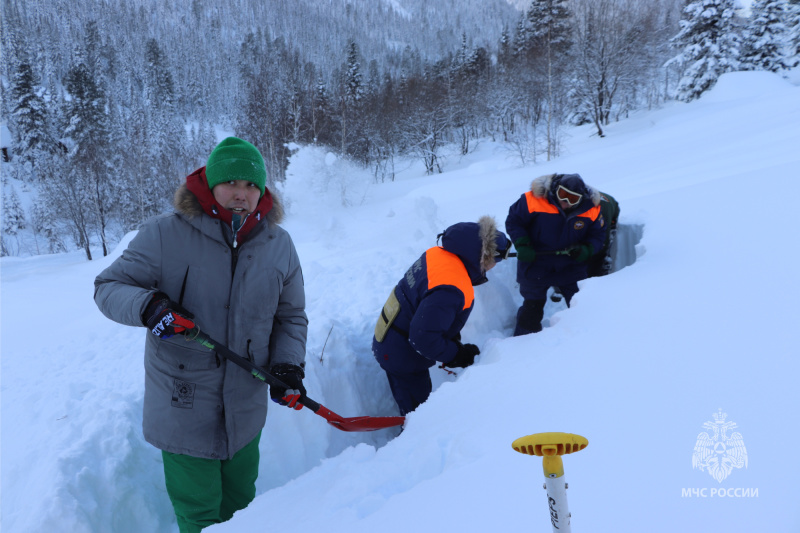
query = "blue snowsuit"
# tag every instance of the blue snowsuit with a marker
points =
(436, 297)
(538, 216)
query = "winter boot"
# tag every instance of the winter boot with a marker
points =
(529, 317)
(556, 296)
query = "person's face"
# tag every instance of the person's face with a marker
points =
(238, 196)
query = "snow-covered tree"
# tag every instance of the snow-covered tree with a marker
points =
(87, 187)
(354, 79)
(766, 38)
(708, 44)
(351, 96)
(505, 47)
(519, 43)
(615, 55)
(13, 213)
(160, 88)
(166, 132)
(47, 226)
(320, 111)
(549, 41)
(548, 26)
(793, 25)
(29, 120)
(138, 181)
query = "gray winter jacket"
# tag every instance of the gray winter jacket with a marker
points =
(196, 404)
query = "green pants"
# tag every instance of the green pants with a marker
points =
(207, 491)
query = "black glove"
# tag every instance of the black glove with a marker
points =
(291, 375)
(525, 252)
(465, 356)
(581, 252)
(165, 318)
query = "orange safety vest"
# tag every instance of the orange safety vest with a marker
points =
(445, 268)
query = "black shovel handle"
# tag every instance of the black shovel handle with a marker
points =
(359, 423)
(196, 335)
(549, 252)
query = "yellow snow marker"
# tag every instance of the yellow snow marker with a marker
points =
(550, 447)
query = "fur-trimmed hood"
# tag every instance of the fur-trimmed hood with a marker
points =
(477, 245)
(490, 237)
(545, 187)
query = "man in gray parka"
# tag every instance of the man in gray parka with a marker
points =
(220, 262)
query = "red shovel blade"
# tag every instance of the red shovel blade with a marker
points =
(367, 423)
(359, 423)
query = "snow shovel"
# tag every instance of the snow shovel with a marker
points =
(358, 423)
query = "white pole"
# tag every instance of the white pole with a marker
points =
(557, 501)
(550, 447)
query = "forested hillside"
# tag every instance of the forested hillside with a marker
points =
(109, 103)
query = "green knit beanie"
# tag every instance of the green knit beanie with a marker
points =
(235, 159)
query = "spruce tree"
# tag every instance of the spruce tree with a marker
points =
(29, 120)
(708, 45)
(87, 185)
(321, 112)
(13, 213)
(520, 42)
(548, 26)
(793, 27)
(139, 181)
(766, 39)
(351, 97)
(166, 134)
(47, 226)
(354, 79)
(504, 49)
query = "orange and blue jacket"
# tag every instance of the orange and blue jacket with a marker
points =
(550, 229)
(436, 297)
